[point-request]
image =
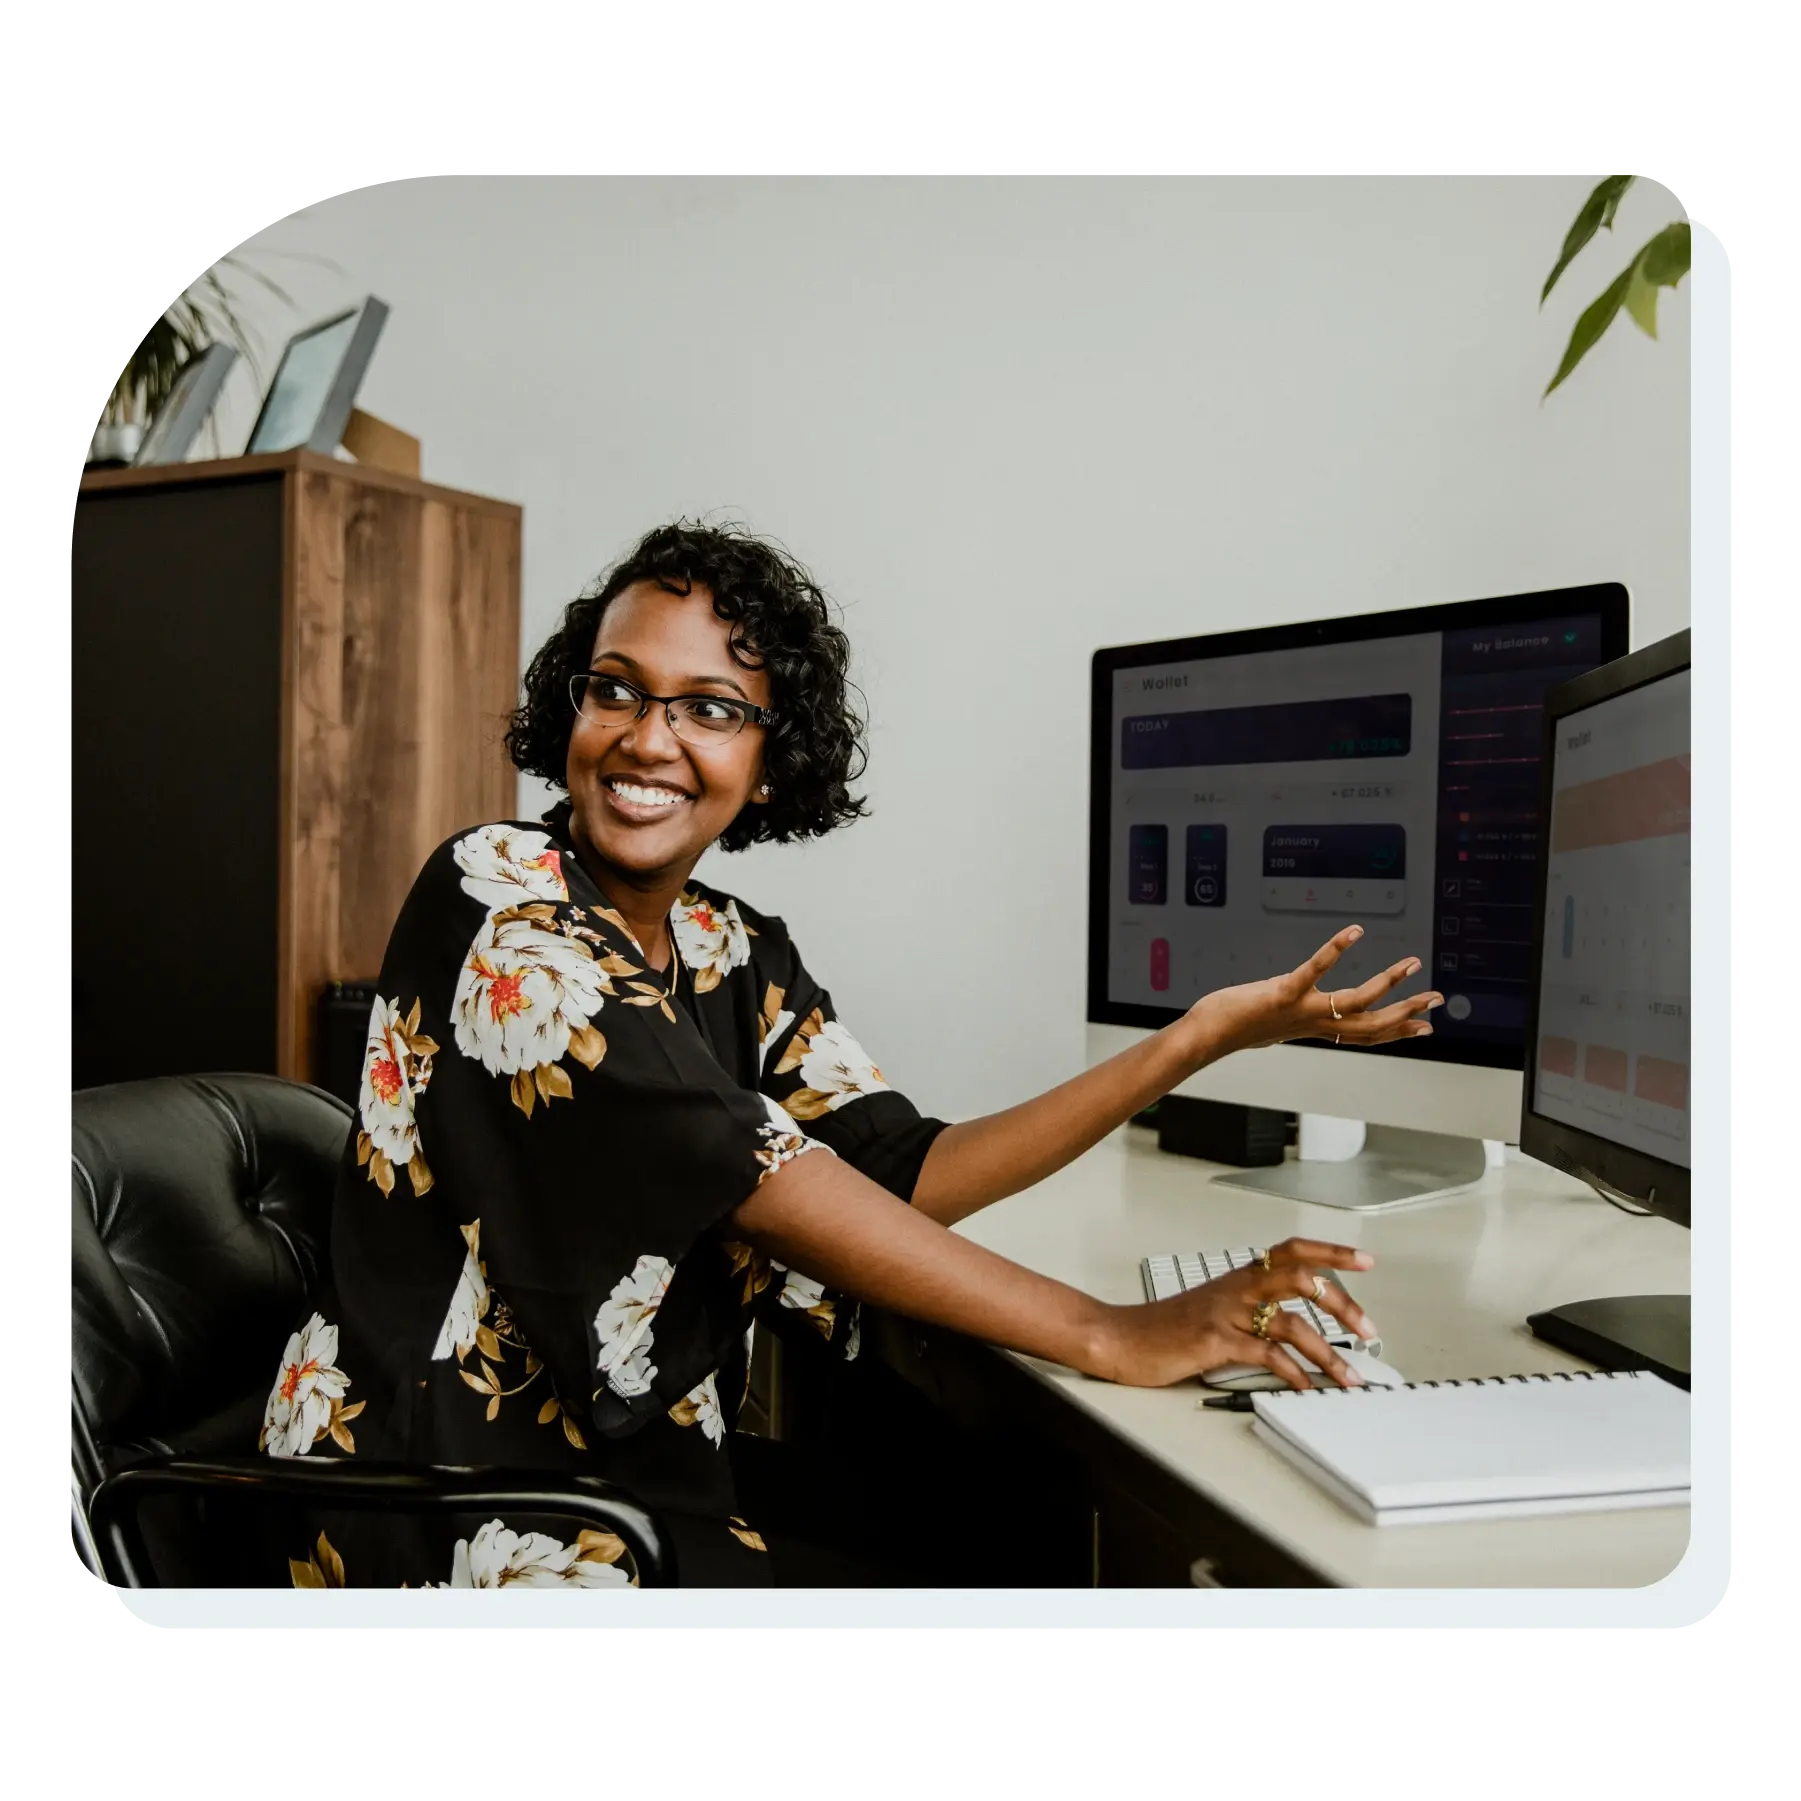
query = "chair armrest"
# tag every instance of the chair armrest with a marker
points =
(369, 1487)
(76, 1519)
(85, 1461)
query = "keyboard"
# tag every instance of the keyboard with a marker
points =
(1173, 1275)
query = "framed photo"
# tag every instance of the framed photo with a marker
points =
(178, 421)
(309, 402)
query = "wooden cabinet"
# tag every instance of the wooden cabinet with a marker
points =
(292, 677)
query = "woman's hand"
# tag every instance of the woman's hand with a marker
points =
(1164, 1341)
(1295, 1006)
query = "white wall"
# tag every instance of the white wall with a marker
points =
(1006, 422)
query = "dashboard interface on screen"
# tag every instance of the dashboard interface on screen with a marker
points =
(1612, 1054)
(1261, 801)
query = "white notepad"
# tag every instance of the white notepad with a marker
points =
(1487, 1449)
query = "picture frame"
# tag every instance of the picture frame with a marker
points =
(190, 404)
(309, 402)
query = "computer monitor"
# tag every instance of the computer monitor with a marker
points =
(1251, 792)
(1606, 1094)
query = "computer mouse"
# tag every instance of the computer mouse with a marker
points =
(1240, 1377)
(1375, 1373)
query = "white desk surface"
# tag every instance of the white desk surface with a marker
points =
(1453, 1283)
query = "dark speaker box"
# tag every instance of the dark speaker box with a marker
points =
(1247, 1137)
(343, 1037)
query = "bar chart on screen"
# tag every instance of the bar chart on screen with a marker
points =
(1613, 1048)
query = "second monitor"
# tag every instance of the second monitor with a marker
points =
(1251, 792)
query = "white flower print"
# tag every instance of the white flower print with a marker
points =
(772, 1022)
(456, 1337)
(623, 1326)
(307, 1401)
(507, 866)
(524, 997)
(806, 1296)
(396, 1071)
(837, 1067)
(800, 1292)
(783, 1140)
(713, 941)
(498, 1557)
(700, 1406)
(778, 1026)
(780, 1119)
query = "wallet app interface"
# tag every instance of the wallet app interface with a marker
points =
(1260, 802)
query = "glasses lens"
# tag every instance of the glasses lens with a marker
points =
(701, 719)
(604, 698)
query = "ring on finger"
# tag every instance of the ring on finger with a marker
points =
(1332, 1002)
(1319, 1289)
(1264, 1260)
(1262, 1314)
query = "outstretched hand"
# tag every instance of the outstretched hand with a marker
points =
(1295, 1005)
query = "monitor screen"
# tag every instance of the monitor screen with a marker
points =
(1612, 1056)
(1259, 790)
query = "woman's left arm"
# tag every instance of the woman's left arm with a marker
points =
(984, 1160)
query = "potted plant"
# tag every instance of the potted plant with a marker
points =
(205, 314)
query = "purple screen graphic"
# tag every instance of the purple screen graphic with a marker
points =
(1312, 731)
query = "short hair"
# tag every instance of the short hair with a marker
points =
(781, 622)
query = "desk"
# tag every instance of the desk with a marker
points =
(1453, 1283)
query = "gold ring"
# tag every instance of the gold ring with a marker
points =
(1264, 1260)
(1319, 1289)
(1334, 1037)
(1332, 1002)
(1262, 1314)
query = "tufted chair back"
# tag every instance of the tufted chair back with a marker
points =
(202, 1209)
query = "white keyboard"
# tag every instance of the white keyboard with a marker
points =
(1173, 1275)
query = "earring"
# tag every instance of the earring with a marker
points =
(764, 791)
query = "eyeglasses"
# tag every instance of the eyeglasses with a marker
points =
(610, 700)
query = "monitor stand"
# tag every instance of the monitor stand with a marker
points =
(1394, 1168)
(1623, 1332)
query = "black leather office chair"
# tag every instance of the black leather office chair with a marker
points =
(202, 1208)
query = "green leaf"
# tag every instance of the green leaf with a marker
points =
(1591, 325)
(1664, 261)
(1597, 211)
(1641, 300)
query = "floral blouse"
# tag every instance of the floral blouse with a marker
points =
(532, 1259)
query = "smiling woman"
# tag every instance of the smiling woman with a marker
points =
(591, 1097)
(778, 635)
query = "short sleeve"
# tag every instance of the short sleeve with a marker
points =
(815, 1071)
(818, 1073)
(542, 1093)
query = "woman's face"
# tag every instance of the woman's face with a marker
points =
(645, 800)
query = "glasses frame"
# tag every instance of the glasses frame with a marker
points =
(748, 712)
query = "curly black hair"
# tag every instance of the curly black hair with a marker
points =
(781, 622)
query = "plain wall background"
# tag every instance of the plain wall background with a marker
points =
(1006, 422)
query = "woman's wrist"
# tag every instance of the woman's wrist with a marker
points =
(1103, 1341)
(1197, 1038)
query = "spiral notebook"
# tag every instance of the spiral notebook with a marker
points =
(1491, 1448)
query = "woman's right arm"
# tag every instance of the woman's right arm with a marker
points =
(820, 1216)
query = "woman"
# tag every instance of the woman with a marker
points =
(608, 1116)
